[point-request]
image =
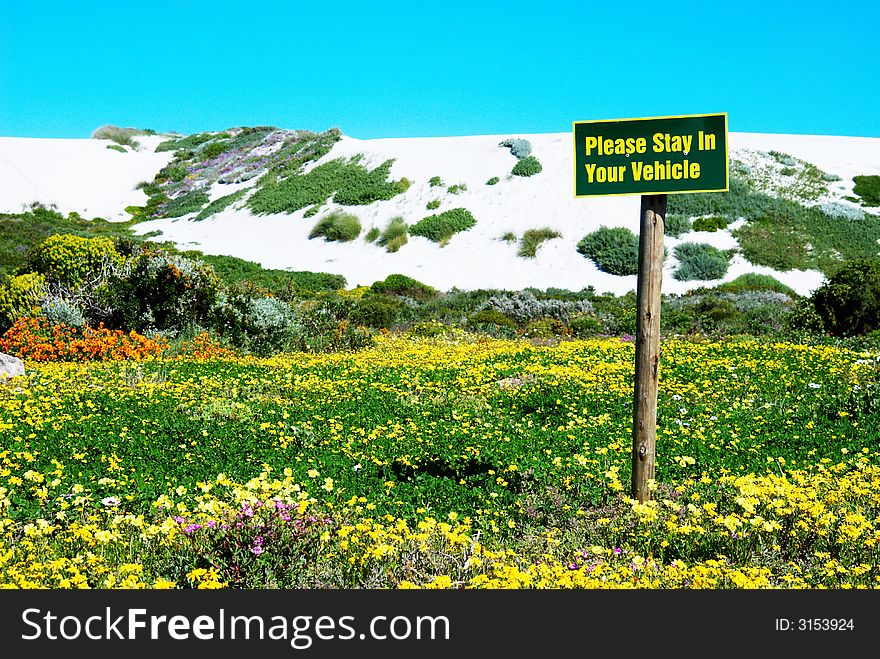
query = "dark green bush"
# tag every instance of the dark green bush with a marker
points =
(528, 166)
(613, 250)
(585, 326)
(404, 286)
(433, 204)
(675, 225)
(159, 291)
(710, 223)
(700, 261)
(490, 317)
(188, 142)
(377, 312)
(493, 180)
(868, 188)
(372, 234)
(213, 150)
(849, 302)
(455, 189)
(435, 181)
(337, 226)
(442, 226)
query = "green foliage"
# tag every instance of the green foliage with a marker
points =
(849, 302)
(372, 234)
(710, 223)
(585, 325)
(613, 250)
(311, 211)
(700, 261)
(533, 238)
(219, 204)
(435, 181)
(528, 166)
(433, 204)
(214, 149)
(173, 171)
(159, 291)
(22, 232)
(805, 319)
(260, 325)
(191, 202)
(675, 225)
(403, 286)
(868, 188)
(18, 296)
(493, 180)
(337, 226)
(509, 237)
(442, 226)
(185, 143)
(755, 282)
(490, 317)
(395, 234)
(457, 188)
(116, 147)
(377, 312)
(347, 181)
(68, 259)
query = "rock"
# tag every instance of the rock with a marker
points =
(10, 366)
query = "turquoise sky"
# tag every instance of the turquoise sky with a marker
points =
(389, 69)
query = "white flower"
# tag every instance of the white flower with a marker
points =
(110, 501)
(814, 385)
(357, 467)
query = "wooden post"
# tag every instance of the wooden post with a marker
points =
(650, 278)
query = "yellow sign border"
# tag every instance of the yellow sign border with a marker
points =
(638, 194)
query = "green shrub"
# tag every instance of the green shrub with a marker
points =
(191, 202)
(261, 325)
(805, 319)
(433, 204)
(533, 238)
(710, 223)
(528, 166)
(68, 259)
(219, 204)
(349, 182)
(214, 149)
(395, 234)
(868, 188)
(404, 286)
(442, 226)
(311, 211)
(372, 234)
(337, 226)
(116, 147)
(458, 187)
(435, 181)
(849, 302)
(490, 317)
(18, 296)
(545, 328)
(613, 250)
(508, 237)
(585, 326)
(159, 291)
(493, 180)
(675, 225)
(377, 312)
(189, 142)
(752, 281)
(171, 172)
(700, 261)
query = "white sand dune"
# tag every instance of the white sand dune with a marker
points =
(83, 175)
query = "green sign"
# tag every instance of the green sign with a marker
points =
(654, 155)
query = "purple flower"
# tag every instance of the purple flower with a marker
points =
(257, 550)
(191, 527)
(618, 550)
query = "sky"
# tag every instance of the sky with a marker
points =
(407, 69)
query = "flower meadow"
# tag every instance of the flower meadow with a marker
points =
(432, 463)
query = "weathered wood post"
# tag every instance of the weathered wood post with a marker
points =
(650, 279)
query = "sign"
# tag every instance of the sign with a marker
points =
(654, 155)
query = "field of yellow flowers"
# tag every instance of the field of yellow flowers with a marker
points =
(443, 464)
